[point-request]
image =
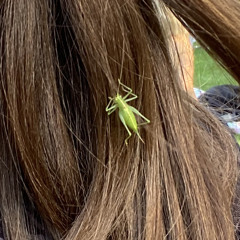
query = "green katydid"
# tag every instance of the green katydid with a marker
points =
(126, 112)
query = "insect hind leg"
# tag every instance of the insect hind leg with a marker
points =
(139, 114)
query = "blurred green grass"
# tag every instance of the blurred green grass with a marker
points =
(237, 136)
(208, 73)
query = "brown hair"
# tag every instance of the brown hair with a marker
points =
(65, 170)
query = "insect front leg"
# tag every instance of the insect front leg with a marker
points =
(129, 92)
(138, 113)
(110, 109)
(126, 89)
(130, 99)
(125, 125)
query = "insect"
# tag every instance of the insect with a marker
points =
(126, 112)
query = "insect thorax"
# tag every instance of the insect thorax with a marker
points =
(120, 102)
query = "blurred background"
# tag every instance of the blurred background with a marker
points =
(207, 75)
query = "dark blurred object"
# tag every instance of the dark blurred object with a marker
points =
(224, 100)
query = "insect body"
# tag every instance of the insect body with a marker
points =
(126, 112)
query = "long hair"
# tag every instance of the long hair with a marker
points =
(65, 170)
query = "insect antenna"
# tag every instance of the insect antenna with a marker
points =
(118, 87)
(121, 72)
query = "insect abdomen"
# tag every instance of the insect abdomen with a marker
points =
(129, 118)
